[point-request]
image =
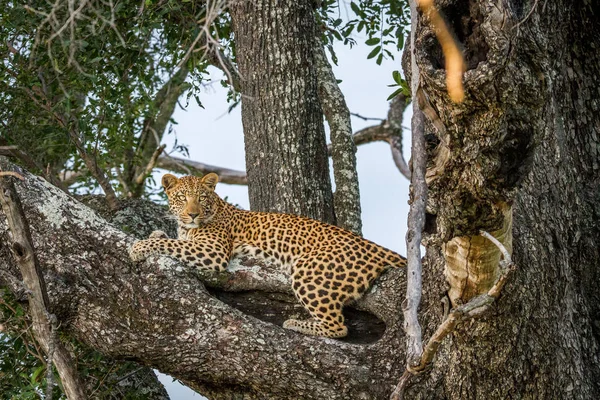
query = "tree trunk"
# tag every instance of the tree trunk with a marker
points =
(526, 138)
(286, 155)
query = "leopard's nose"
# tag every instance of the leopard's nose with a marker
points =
(193, 216)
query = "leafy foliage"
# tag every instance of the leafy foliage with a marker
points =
(383, 22)
(22, 366)
(96, 73)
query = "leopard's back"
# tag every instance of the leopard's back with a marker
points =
(329, 265)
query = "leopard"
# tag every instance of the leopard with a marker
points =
(330, 267)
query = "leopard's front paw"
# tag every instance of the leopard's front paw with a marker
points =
(137, 253)
(158, 235)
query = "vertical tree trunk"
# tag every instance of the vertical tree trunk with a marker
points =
(528, 136)
(286, 154)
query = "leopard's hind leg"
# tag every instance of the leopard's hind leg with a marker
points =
(314, 287)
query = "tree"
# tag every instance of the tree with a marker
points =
(523, 143)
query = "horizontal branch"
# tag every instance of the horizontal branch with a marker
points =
(160, 314)
(185, 166)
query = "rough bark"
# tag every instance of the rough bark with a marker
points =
(526, 138)
(160, 314)
(286, 157)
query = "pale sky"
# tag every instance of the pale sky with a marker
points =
(215, 137)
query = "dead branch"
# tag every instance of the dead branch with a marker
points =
(185, 166)
(343, 150)
(25, 257)
(416, 215)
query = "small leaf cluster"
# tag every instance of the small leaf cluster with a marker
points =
(383, 22)
(401, 85)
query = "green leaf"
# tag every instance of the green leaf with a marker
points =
(355, 8)
(361, 25)
(36, 373)
(400, 42)
(379, 59)
(372, 41)
(374, 52)
(396, 93)
(397, 77)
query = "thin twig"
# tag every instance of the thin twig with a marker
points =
(366, 118)
(151, 164)
(130, 374)
(12, 173)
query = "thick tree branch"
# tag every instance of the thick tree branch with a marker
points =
(343, 150)
(159, 313)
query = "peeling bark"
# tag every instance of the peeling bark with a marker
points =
(526, 138)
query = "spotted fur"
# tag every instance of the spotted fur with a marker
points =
(329, 265)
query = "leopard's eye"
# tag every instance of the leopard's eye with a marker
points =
(181, 197)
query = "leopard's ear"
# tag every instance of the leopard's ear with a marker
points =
(168, 181)
(210, 180)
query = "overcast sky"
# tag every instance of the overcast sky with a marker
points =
(215, 137)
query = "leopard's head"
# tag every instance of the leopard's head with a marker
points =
(192, 199)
